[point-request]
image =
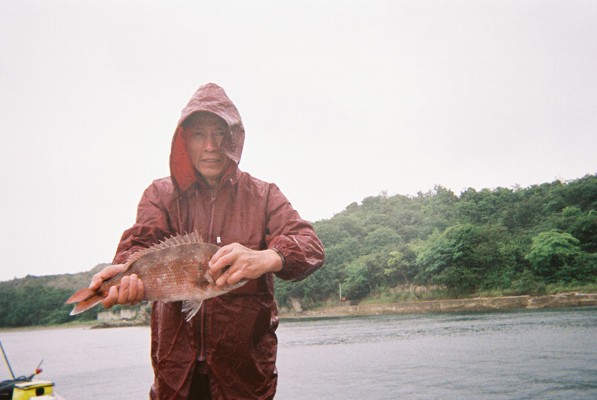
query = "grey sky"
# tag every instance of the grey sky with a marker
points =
(340, 101)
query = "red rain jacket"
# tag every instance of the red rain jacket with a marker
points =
(235, 333)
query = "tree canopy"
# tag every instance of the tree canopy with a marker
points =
(515, 240)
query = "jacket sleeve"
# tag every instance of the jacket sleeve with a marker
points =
(292, 237)
(150, 227)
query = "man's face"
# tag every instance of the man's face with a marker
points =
(204, 135)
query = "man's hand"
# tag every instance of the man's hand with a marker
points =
(235, 262)
(130, 291)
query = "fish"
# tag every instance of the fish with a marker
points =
(176, 269)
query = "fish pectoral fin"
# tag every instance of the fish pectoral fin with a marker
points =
(190, 308)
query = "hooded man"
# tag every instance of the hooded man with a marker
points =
(228, 350)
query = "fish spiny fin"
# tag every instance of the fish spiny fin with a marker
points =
(190, 308)
(187, 238)
(171, 241)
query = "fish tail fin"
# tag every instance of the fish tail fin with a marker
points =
(190, 308)
(87, 304)
(80, 295)
(86, 299)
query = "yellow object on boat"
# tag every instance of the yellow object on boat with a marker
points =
(33, 390)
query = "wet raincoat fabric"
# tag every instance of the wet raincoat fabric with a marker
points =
(235, 333)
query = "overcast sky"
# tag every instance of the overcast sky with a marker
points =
(340, 101)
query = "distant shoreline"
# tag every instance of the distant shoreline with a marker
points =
(478, 304)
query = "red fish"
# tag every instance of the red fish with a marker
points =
(173, 270)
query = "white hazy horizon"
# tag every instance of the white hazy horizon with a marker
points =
(339, 102)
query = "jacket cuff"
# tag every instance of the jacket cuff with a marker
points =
(280, 254)
(279, 245)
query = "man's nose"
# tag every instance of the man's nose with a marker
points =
(211, 143)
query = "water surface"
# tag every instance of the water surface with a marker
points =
(549, 354)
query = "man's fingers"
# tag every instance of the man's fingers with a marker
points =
(133, 289)
(235, 278)
(223, 278)
(112, 297)
(123, 291)
(131, 292)
(141, 291)
(97, 279)
(220, 260)
(218, 266)
(229, 278)
(105, 274)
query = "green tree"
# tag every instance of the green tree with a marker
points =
(400, 267)
(554, 256)
(439, 208)
(580, 224)
(31, 305)
(462, 257)
(357, 283)
(381, 238)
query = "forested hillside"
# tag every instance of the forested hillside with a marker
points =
(39, 300)
(504, 241)
(498, 241)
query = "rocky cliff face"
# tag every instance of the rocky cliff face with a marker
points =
(475, 304)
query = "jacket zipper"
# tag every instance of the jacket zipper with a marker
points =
(202, 314)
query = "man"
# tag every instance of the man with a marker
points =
(228, 350)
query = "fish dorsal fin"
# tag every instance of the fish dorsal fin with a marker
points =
(169, 242)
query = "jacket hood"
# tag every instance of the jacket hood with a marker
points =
(213, 99)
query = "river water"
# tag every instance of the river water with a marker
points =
(542, 354)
